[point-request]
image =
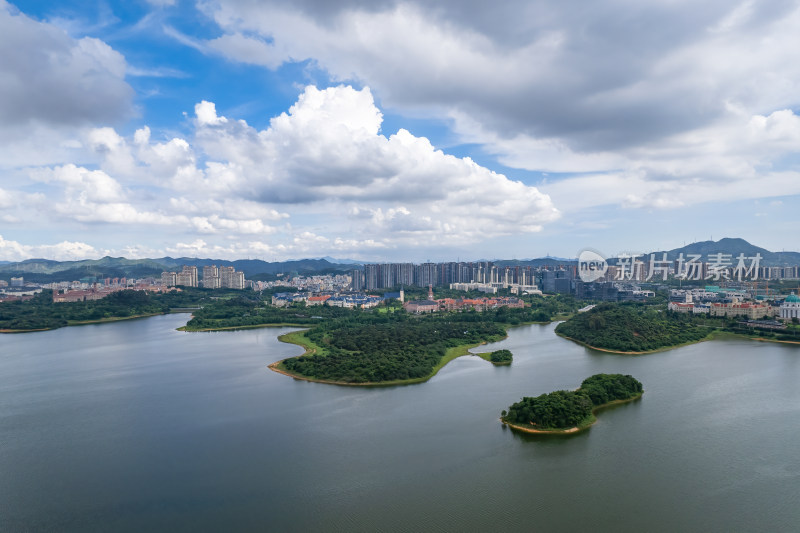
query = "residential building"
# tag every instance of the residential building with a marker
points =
(169, 279)
(211, 278)
(187, 277)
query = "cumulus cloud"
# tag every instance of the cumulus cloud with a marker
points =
(324, 157)
(660, 92)
(328, 147)
(63, 251)
(322, 178)
(51, 78)
(601, 77)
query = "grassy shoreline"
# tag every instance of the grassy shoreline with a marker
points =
(297, 337)
(583, 426)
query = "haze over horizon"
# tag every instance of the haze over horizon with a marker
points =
(395, 131)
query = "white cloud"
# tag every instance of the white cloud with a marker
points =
(303, 185)
(247, 50)
(328, 147)
(63, 251)
(676, 97)
(51, 78)
(6, 199)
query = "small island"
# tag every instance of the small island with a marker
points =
(498, 357)
(566, 412)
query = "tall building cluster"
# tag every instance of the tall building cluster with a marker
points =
(387, 275)
(226, 277)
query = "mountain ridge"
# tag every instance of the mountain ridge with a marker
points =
(51, 270)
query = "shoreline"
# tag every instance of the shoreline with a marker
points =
(486, 356)
(250, 326)
(451, 353)
(575, 429)
(82, 323)
(708, 337)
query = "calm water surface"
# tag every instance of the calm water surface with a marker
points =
(134, 426)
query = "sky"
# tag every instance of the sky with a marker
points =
(392, 130)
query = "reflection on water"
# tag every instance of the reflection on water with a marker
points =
(134, 426)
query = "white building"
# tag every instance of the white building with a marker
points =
(790, 308)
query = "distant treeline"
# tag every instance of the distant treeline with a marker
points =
(41, 312)
(567, 409)
(249, 310)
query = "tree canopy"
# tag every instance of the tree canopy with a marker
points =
(375, 348)
(628, 328)
(566, 409)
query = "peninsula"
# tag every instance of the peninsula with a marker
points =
(627, 329)
(389, 349)
(565, 412)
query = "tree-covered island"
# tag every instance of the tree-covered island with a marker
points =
(498, 357)
(563, 411)
(631, 329)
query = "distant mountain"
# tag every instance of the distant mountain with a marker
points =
(45, 270)
(734, 247)
(539, 262)
(342, 261)
(256, 266)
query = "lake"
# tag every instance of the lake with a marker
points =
(134, 426)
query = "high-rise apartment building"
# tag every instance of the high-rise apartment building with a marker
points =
(230, 278)
(169, 279)
(187, 277)
(211, 278)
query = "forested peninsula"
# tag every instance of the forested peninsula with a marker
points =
(631, 329)
(387, 349)
(564, 411)
(379, 346)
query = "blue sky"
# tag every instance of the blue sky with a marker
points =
(391, 130)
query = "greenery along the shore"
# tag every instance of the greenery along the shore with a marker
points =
(501, 357)
(248, 311)
(628, 328)
(372, 348)
(40, 312)
(567, 409)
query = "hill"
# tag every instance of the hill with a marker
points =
(732, 246)
(45, 270)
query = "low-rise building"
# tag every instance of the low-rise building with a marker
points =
(790, 308)
(421, 306)
(749, 310)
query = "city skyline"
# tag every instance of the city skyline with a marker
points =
(239, 129)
